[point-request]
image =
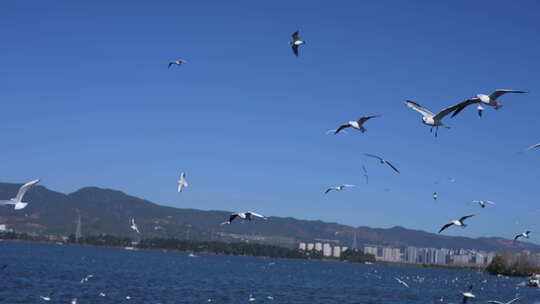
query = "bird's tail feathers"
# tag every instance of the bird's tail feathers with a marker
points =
(498, 106)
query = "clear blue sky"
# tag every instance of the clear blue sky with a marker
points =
(87, 99)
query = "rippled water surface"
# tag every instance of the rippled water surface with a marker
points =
(158, 277)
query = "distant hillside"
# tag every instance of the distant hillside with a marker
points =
(109, 211)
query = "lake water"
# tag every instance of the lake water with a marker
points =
(157, 277)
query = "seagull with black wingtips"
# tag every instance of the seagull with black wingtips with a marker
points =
(337, 188)
(523, 235)
(431, 119)
(483, 99)
(356, 124)
(458, 223)
(296, 42)
(483, 203)
(383, 161)
(244, 216)
(178, 62)
(468, 295)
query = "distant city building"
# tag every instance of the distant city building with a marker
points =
(302, 246)
(327, 250)
(3, 228)
(318, 246)
(337, 252)
(310, 246)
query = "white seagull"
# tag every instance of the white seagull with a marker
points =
(182, 182)
(243, 215)
(17, 200)
(357, 124)
(337, 188)
(524, 234)
(296, 42)
(383, 161)
(468, 295)
(365, 174)
(178, 62)
(483, 99)
(457, 223)
(429, 118)
(483, 203)
(402, 282)
(134, 226)
(45, 298)
(498, 302)
(88, 277)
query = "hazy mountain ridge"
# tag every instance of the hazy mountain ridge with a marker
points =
(109, 211)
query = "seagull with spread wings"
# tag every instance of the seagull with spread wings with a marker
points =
(356, 124)
(402, 282)
(296, 42)
(182, 182)
(459, 223)
(244, 216)
(134, 226)
(468, 295)
(533, 147)
(429, 118)
(483, 99)
(509, 302)
(17, 200)
(483, 203)
(524, 235)
(383, 161)
(178, 62)
(337, 188)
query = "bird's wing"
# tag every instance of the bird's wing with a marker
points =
(517, 236)
(232, 217)
(448, 110)
(374, 156)
(464, 301)
(341, 128)
(496, 302)
(462, 105)
(513, 300)
(364, 169)
(499, 93)
(465, 217)
(533, 146)
(256, 214)
(25, 188)
(445, 226)
(295, 49)
(490, 202)
(296, 35)
(363, 119)
(392, 166)
(347, 185)
(328, 190)
(418, 108)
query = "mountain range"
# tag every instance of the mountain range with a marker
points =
(106, 211)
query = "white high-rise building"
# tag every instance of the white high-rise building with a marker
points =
(310, 246)
(318, 246)
(337, 251)
(302, 246)
(327, 250)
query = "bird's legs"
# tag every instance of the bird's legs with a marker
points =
(436, 130)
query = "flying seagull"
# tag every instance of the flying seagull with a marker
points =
(457, 223)
(357, 124)
(17, 200)
(483, 203)
(498, 302)
(402, 282)
(365, 174)
(482, 99)
(429, 118)
(85, 279)
(296, 42)
(178, 62)
(524, 234)
(383, 161)
(182, 182)
(533, 147)
(243, 215)
(468, 295)
(435, 196)
(134, 226)
(337, 188)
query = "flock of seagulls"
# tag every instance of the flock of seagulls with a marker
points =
(433, 120)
